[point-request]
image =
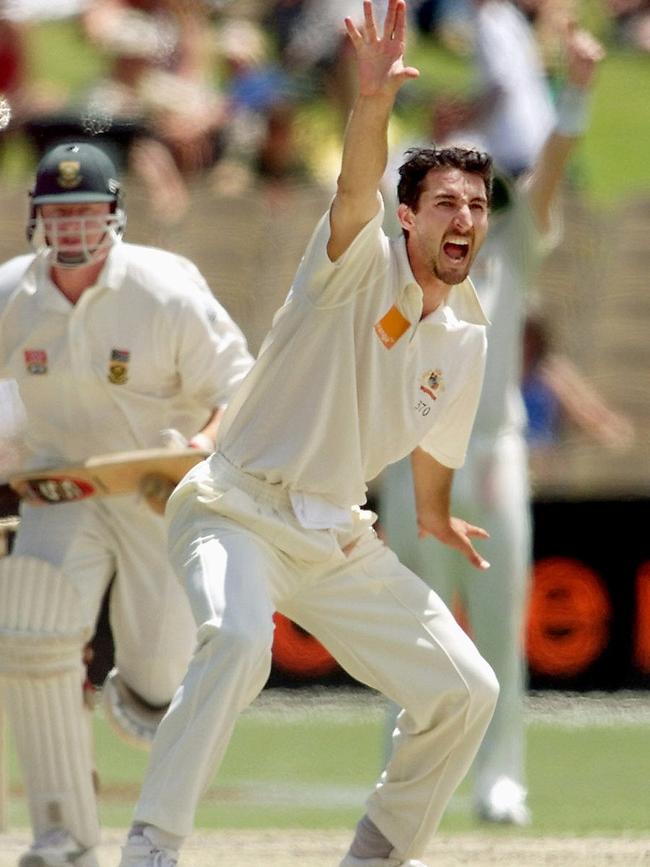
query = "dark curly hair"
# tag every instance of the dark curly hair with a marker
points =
(421, 160)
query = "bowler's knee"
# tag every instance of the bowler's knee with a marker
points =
(242, 646)
(466, 693)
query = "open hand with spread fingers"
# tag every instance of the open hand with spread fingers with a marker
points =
(583, 55)
(457, 533)
(380, 59)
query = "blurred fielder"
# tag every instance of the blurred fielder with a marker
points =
(110, 343)
(378, 350)
(492, 489)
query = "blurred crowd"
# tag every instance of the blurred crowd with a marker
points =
(214, 87)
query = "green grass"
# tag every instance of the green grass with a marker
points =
(588, 780)
(314, 771)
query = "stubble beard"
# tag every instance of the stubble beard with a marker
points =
(448, 276)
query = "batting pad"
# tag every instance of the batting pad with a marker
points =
(42, 635)
(129, 716)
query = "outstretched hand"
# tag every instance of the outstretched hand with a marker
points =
(380, 59)
(456, 533)
(583, 54)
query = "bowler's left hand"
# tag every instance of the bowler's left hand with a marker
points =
(456, 533)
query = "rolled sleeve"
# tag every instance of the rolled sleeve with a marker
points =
(328, 283)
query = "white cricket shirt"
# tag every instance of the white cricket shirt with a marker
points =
(148, 347)
(349, 379)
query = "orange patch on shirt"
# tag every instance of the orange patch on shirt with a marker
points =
(391, 326)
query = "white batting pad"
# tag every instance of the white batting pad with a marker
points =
(130, 717)
(41, 644)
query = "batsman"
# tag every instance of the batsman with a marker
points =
(111, 344)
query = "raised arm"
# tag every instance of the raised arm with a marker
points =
(381, 73)
(583, 54)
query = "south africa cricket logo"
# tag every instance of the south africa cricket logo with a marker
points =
(118, 367)
(70, 175)
(431, 383)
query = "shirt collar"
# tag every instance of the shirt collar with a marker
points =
(462, 300)
(112, 274)
(36, 281)
(465, 303)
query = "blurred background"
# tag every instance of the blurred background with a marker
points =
(226, 121)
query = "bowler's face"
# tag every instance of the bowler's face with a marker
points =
(450, 223)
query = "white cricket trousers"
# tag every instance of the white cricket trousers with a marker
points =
(241, 555)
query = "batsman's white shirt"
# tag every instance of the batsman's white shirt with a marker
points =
(148, 347)
(350, 378)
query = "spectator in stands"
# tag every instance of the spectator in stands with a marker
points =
(314, 45)
(558, 397)
(20, 98)
(159, 79)
(179, 28)
(259, 135)
(12, 63)
(631, 20)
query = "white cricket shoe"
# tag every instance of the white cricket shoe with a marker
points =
(57, 848)
(141, 851)
(351, 861)
(505, 804)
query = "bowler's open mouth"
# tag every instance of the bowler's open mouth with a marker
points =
(456, 249)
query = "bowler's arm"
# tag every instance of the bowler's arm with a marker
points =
(381, 73)
(432, 483)
(583, 54)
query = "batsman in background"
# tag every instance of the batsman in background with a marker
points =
(379, 349)
(493, 488)
(110, 344)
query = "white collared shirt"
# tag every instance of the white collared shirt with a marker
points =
(147, 348)
(338, 392)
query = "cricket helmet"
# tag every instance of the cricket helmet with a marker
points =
(70, 174)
